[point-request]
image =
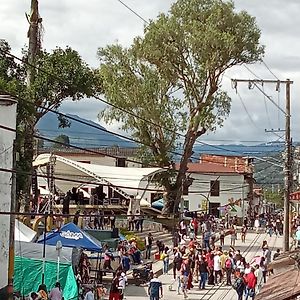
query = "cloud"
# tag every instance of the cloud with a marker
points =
(88, 25)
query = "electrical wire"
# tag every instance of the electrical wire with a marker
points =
(133, 11)
(264, 63)
(110, 185)
(117, 107)
(245, 108)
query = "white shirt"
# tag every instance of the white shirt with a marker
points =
(247, 270)
(89, 296)
(217, 263)
(256, 223)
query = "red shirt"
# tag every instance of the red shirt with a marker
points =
(251, 280)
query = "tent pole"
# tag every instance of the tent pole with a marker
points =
(44, 249)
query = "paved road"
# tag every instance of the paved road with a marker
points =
(251, 248)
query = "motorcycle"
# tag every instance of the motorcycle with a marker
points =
(143, 274)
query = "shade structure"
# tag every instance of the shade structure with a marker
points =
(24, 233)
(72, 236)
(158, 204)
(28, 269)
(127, 181)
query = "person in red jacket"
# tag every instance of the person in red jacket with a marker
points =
(251, 281)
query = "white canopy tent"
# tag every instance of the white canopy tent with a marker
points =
(24, 233)
(126, 181)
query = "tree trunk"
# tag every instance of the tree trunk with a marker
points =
(26, 147)
(174, 194)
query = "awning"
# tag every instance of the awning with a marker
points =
(24, 233)
(72, 236)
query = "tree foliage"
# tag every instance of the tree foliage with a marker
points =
(58, 75)
(172, 77)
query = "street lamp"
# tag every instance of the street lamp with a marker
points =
(58, 249)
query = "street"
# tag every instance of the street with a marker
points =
(219, 292)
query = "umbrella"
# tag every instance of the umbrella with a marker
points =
(256, 260)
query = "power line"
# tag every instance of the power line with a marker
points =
(109, 185)
(115, 106)
(264, 63)
(133, 11)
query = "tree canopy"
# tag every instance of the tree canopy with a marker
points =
(170, 80)
(58, 75)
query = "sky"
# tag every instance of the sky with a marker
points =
(88, 25)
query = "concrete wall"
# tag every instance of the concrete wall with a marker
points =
(8, 119)
(230, 187)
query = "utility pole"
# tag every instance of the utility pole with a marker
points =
(288, 148)
(287, 168)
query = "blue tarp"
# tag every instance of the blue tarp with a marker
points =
(72, 236)
(158, 204)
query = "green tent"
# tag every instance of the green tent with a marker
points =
(28, 276)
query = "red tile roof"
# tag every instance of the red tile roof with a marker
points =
(209, 168)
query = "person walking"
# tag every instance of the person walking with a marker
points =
(148, 243)
(56, 293)
(114, 293)
(229, 268)
(155, 290)
(217, 268)
(251, 281)
(256, 224)
(239, 285)
(243, 234)
(203, 269)
(89, 295)
(233, 236)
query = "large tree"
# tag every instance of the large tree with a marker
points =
(58, 75)
(171, 79)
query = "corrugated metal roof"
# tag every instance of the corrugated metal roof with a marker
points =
(283, 286)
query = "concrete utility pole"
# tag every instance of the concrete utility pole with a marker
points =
(288, 147)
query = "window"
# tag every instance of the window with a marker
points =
(121, 162)
(186, 204)
(215, 188)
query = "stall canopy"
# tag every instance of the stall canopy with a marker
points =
(158, 204)
(72, 236)
(28, 269)
(24, 233)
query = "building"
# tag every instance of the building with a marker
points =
(8, 107)
(220, 185)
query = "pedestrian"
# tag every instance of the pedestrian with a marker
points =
(251, 281)
(203, 270)
(56, 293)
(232, 236)
(114, 293)
(276, 254)
(42, 292)
(122, 285)
(229, 268)
(217, 268)
(239, 285)
(112, 220)
(243, 234)
(89, 295)
(155, 290)
(185, 272)
(256, 224)
(165, 259)
(222, 237)
(148, 243)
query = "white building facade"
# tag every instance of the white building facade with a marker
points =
(8, 107)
